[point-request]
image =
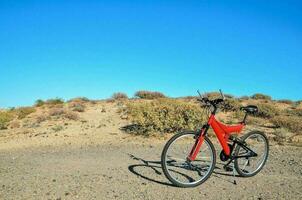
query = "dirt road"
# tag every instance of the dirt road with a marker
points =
(132, 171)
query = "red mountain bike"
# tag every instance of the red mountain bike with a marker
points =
(188, 159)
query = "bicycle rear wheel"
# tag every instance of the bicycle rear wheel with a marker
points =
(178, 169)
(250, 166)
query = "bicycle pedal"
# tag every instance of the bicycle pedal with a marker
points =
(228, 168)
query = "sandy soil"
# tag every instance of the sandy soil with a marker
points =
(95, 160)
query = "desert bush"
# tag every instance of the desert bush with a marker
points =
(295, 112)
(255, 120)
(71, 115)
(56, 111)
(149, 95)
(54, 101)
(57, 128)
(215, 95)
(282, 135)
(261, 96)
(60, 112)
(79, 99)
(22, 112)
(119, 95)
(165, 115)
(291, 123)
(245, 97)
(286, 101)
(230, 105)
(266, 110)
(41, 118)
(5, 118)
(39, 103)
(77, 106)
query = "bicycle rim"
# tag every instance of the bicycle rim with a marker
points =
(187, 173)
(250, 166)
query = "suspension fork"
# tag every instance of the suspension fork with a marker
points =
(198, 142)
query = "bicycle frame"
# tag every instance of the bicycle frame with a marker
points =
(222, 132)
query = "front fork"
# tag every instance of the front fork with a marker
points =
(198, 142)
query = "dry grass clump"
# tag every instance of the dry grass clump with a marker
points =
(56, 101)
(76, 106)
(119, 96)
(79, 99)
(23, 112)
(231, 105)
(39, 103)
(295, 112)
(71, 115)
(245, 97)
(286, 101)
(266, 110)
(149, 95)
(261, 96)
(60, 112)
(57, 128)
(18, 113)
(56, 111)
(5, 118)
(215, 95)
(41, 118)
(165, 115)
(291, 123)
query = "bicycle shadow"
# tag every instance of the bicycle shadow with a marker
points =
(155, 166)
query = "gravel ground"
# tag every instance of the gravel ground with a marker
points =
(133, 171)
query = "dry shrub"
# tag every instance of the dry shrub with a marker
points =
(254, 120)
(216, 95)
(77, 106)
(231, 105)
(79, 99)
(261, 96)
(286, 101)
(267, 110)
(39, 103)
(245, 97)
(165, 115)
(5, 118)
(295, 112)
(57, 128)
(149, 95)
(60, 112)
(56, 111)
(41, 118)
(291, 123)
(55, 101)
(119, 96)
(110, 100)
(283, 135)
(71, 115)
(22, 112)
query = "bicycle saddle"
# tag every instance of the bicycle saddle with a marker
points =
(250, 109)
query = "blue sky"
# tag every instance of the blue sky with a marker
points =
(95, 48)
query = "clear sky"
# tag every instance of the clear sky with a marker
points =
(95, 48)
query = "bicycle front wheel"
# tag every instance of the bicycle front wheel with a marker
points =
(176, 166)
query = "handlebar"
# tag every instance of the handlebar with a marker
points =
(213, 102)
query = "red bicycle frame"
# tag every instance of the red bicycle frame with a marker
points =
(222, 132)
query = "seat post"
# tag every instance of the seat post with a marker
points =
(245, 116)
